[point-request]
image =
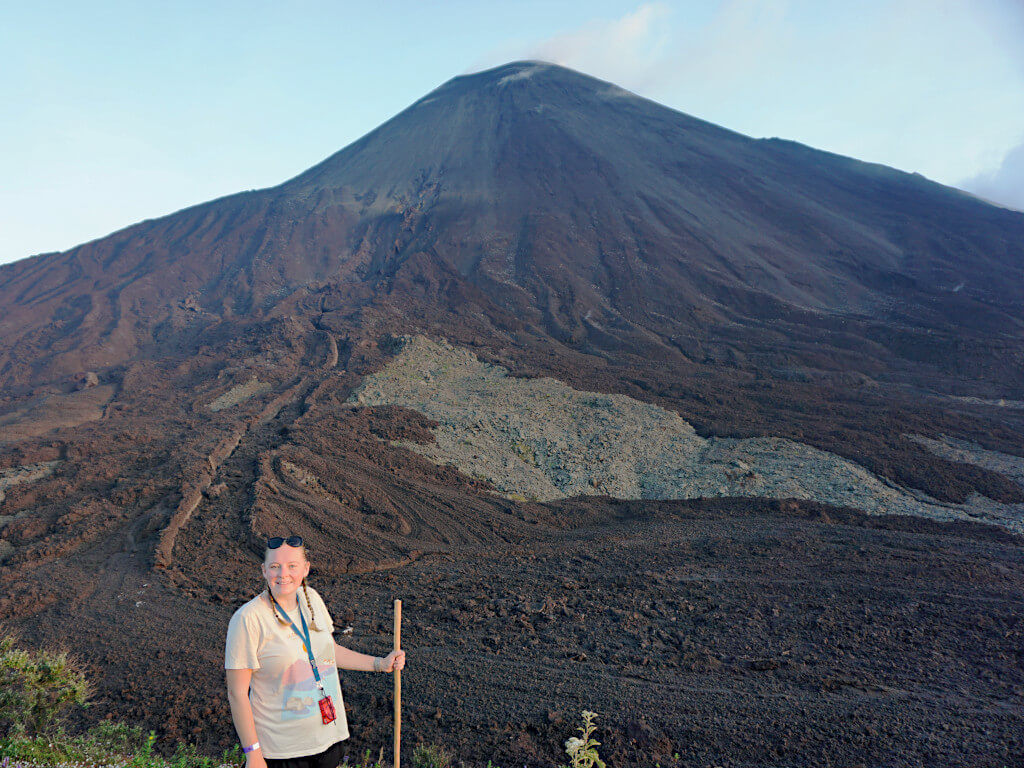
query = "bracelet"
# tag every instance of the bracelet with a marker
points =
(251, 748)
(378, 664)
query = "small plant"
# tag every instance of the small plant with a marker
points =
(187, 756)
(431, 756)
(367, 761)
(582, 752)
(113, 738)
(233, 756)
(36, 687)
(144, 757)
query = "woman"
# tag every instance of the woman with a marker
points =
(282, 666)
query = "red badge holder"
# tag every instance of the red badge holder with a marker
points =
(327, 712)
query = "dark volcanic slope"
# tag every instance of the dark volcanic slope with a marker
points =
(566, 207)
(173, 392)
(565, 226)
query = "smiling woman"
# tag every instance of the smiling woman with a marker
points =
(282, 667)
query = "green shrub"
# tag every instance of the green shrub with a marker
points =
(185, 756)
(36, 687)
(368, 762)
(431, 756)
(144, 757)
(582, 752)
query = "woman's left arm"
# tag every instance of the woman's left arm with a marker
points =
(345, 658)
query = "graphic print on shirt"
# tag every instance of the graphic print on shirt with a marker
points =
(300, 696)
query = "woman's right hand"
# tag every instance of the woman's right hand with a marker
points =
(255, 759)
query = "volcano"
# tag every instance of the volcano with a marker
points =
(771, 355)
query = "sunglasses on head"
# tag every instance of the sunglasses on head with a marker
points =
(277, 541)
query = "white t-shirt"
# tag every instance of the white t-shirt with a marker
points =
(283, 692)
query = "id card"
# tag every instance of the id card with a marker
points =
(327, 712)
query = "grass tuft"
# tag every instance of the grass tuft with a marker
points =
(431, 756)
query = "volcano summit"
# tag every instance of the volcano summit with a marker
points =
(739, 411)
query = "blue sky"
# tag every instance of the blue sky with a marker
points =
(117, 112)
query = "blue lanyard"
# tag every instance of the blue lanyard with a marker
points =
(307, 645)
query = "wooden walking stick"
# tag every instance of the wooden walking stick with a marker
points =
(398, 683)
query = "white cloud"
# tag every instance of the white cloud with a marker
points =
(934, 86)
(625, 50)
(1003, 185)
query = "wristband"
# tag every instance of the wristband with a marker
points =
(378, 664)
(251, 748)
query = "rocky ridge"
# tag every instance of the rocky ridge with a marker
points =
(541, 440)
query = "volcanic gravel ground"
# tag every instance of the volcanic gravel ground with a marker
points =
(732, 633)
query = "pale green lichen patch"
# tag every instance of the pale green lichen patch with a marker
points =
(541, 439)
